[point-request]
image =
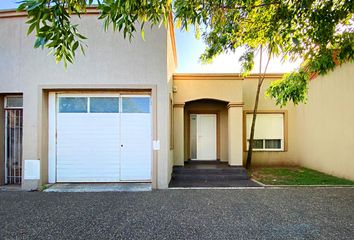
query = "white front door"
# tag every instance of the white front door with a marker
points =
(203, 136)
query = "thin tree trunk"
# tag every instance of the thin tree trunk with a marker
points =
(253, 126)
(250, 147)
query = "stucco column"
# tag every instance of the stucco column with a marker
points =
(178, 134)
(235, 117)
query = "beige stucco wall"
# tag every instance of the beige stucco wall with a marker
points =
(265, 158)
(325, 125)
(218, 89)
(171, 67)
(110, 62)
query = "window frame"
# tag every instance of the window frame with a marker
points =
(264, 149)
(284, 140)
(120, 97)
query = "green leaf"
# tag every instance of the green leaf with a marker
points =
(31, 28)
(37, 43)
(81, 36)
(22, 6)
(75, 46)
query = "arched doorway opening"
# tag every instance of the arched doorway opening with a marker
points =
(205, 132)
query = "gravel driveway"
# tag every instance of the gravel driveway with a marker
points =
(296, 213)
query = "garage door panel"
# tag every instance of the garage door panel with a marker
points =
(88, 147)
(105, 143)
(137, 145)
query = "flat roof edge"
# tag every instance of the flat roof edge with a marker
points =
(222, 76)
(8, 13)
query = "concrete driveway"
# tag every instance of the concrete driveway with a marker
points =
(296, 213)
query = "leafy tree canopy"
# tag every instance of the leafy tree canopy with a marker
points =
(319, 31)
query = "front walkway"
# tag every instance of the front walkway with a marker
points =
(301, 213)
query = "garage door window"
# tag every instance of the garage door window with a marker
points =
(136, 104)
(104, 105)
(73, 104)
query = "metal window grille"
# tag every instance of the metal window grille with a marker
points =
(13, 145)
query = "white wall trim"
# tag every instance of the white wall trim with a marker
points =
(52, 137)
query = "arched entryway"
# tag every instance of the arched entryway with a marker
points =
(208, 130)
(205, 132)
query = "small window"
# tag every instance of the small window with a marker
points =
(273, 143)
(104, 105)
(73, 104)
(269, 131)
(14, 102)
(136, 104)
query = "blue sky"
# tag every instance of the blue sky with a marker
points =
(189, 49)
(7, 4)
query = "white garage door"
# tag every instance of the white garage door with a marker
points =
(103, 138)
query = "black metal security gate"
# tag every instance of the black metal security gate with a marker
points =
(13, 139)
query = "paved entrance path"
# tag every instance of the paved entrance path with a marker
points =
(300, 213)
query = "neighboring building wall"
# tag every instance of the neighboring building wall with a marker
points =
(264, 158)
(111, 62)
(325, 125)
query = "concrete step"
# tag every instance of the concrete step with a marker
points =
(210, 177)
(205, 171)
(203, 183)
